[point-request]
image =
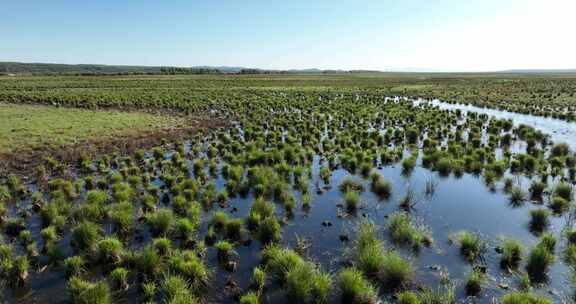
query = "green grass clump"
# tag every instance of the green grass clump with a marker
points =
(474, 283)
(571, 236)
(368, 251)
(570, 255)
(259, 210)
(508, 184)
(85, 236)
(176, 289)
(560, 149)
(225, 251)
(403, 231)
(110, 250)
(444, 166)
(548, 241)
(148, 261)
(279, 261)
(219, 220)
(539, 261)
(539, 220)
(187, 264)
(559, 205)
(352, 200)
(161, 222)
(5, 194)
(380, 186)
(162, 245)
(306, 283)
(97, 197)
(443, 294)
(325, 174)
(407, 297)
(396, 272)
(13, 226)
(524, 298)
(185, 228)
(517, 196)
(563, 190)
(355, 288)
(471, 246)
(349, 184)
(250, 298)
(122, 216)
(119, 278)
(511, 253)
(374, 261)
(235, 229)
(365, 169)
(258, 279)
(13, 269)
(537, 189)
(74, 266)
(408, 165)
(269, 230)
(84, 292)
(149, 289)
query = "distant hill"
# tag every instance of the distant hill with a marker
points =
(20, 68)
(539, 71)
(55, 68)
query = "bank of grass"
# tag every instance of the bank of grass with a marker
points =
(35, 127)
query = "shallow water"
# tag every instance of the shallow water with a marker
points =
(459, 203)
(559, 130)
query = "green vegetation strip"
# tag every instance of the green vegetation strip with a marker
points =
(37, 126)
(549, 96)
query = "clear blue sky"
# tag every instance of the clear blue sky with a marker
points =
(361, 34)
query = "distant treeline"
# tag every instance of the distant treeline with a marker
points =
(19, 68)
(185, 71)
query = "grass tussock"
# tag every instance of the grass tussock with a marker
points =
(403, 231)
(385, 266)
(472, 247)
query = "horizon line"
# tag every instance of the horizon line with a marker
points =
(385, 70)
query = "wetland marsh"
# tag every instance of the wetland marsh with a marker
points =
(312, 190)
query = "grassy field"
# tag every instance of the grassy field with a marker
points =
(38, 126)
(550, 95)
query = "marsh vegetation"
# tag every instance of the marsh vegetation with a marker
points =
(309, 195)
